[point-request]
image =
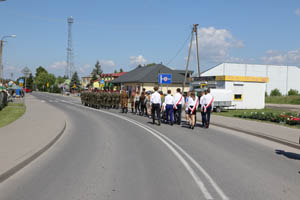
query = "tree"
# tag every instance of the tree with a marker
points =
(139, 66)
(75, 81)
(97, 69)
(115, 71)
(39, 70)
(151, 64)
(29, 82)
(275, 92)
(60, 80)
(121, 70)
(293, 92)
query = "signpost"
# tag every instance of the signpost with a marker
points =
(26, 72)
(102, 83)
(21, 82)
(165, 79)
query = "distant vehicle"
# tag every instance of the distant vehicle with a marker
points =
(27, 90)
(222, 97)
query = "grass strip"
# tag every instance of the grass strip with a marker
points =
(11, 113)
(283, 99)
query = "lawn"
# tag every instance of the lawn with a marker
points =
(275, 112)
(283, 99)
(11, 113)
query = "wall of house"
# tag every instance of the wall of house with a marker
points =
(253, 94)
(283, 78)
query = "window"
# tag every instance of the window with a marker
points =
(238, 97)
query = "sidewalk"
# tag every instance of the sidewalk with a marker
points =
(277, 133)
(25, 139)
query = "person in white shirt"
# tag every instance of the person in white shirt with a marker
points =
(155, 102)
(201, 106)
(169, 101)
(187, 115)
(137, 103)
(208, 103)
(178, 102)
(193, 104)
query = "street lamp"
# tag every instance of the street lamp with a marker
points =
(1, 50)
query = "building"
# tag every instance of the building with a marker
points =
(105, 81)
(283, 78)
(147, 77)
(85, 81)
(246, 92)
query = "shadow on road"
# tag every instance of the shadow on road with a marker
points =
(289, 155)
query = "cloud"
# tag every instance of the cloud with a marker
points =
(59, 65)
(85, 68)
(107, 63)
(136, 60)
(215, 44)
(282, 58)
(297, 11)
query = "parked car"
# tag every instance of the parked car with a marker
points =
(27, 90)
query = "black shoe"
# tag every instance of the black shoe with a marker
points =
(158, 124)
(171, 124)
(193, 127)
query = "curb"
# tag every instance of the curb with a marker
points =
(21, 165)
(261, 135)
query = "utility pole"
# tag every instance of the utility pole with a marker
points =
(189, 55)
(1, 66)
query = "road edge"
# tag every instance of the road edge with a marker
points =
(260, 135)
(4, 176)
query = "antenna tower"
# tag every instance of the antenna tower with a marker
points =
(70, 62)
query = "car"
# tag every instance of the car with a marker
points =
(27, 90)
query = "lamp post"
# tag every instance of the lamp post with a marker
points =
(1, 51)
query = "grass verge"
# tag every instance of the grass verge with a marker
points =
(11, 113)
(234, 113)
(283, 99)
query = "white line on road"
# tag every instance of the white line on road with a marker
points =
(164, 139)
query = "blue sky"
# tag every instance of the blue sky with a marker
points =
(122, 34)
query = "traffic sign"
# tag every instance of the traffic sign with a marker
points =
(26, 71)
(165, 78)
(102, 83)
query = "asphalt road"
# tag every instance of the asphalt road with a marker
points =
(108, 155)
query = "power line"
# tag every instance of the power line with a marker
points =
(181, 48)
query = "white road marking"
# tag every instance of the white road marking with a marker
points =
(196, 178)
(164, 139)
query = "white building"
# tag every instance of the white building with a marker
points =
(283, 78)
(247, 92)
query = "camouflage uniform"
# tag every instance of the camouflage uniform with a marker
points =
(124, 101)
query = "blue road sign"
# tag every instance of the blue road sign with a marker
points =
(21, 81)
(101, 81)
(165, 78)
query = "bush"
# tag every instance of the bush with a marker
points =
(293, 92)
(275, 92)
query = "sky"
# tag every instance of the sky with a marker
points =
(123, 34)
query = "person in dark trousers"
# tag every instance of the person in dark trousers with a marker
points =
(137, 103)
(208, 102)
(201, 106)
(155, 101)
(143, 104)
(178, 103)
(169, 102)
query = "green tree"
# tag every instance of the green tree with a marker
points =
(60, 80)
(29, 82)
(151, 64)
(293, 92)
(275, 92)
(139, 66)
(115, 71)
(97, 71)
(121, 70)
(75, 81)
(39, 70)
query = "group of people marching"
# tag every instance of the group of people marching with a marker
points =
(169, 108)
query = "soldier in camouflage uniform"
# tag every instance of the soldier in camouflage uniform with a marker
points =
(124, 101)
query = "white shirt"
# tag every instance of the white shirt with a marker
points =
(155, 98)
(137, 97)
(177, 97)
(169, 100)
(207, 99)
(202, 100)
(193, 103)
